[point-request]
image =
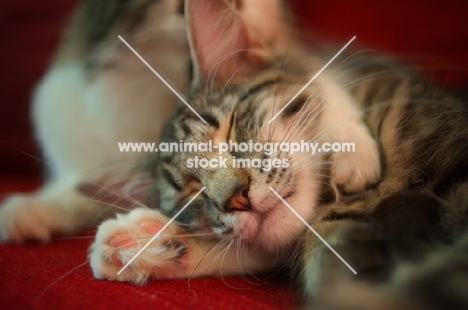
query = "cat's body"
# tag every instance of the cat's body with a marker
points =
(415, 176)
(96, 94)
(403, 188)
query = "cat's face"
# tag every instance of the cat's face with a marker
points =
(237, 201)
(238, 95)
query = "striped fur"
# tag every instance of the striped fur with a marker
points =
(413, 197)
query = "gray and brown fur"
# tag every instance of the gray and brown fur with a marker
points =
(424, 149)
(96, 24)
(419, 202)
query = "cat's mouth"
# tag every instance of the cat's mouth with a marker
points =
(250, 216)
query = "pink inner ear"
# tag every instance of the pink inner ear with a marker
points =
(219, 39)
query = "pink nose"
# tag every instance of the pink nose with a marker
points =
(239, 201)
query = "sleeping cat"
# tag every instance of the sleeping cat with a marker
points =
(403, 188)
(401, 191)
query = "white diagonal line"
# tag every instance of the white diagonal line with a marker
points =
(313, 230)
(162, 79)
(159, 232)
(311, 80)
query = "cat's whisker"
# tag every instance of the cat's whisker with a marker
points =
(327, 130)
(274, 102)
(320, 181)
(219, 245)
(280, 269)
(122, 195)
(238, 250)
(212, 248)
(150, 34)
(225, 251)
(143, 237)
(36, 158)
(345, 73)
(390, 102)
(218, 65)
(219, 253)
(48, 287)
(74, 238)
(104, 214)
(353, 64)
(229, 80)
(109, 204)
(190, 235)
(295, 161)
(301, 125)
(297, 115)
(243, 249)
(312, 118)
(319, 105)
(273, 110)
(290, 125)
(346, 61)
(309, 165)
(136, 236)
(115, 249)
(368, 77)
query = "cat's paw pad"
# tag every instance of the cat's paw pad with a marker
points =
(354, 170)
(23, 217)
(119, 240)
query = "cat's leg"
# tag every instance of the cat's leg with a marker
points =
(174, 254)
(341, 122)
(363, 246)
(436, 282)
(371, 237)
(57, 208)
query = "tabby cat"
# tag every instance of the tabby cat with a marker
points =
(401, 193)
(403, 190)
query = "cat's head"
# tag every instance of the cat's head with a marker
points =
(245, 73)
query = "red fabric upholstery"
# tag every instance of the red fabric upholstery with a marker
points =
(55, 276)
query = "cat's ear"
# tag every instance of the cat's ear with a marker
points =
(230, 37)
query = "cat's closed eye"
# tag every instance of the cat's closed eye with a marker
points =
(295, 106)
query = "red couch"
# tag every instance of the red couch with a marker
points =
(56, 276)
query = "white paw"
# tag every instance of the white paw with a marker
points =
(23, 218)
(354, 170)
(119, 240)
